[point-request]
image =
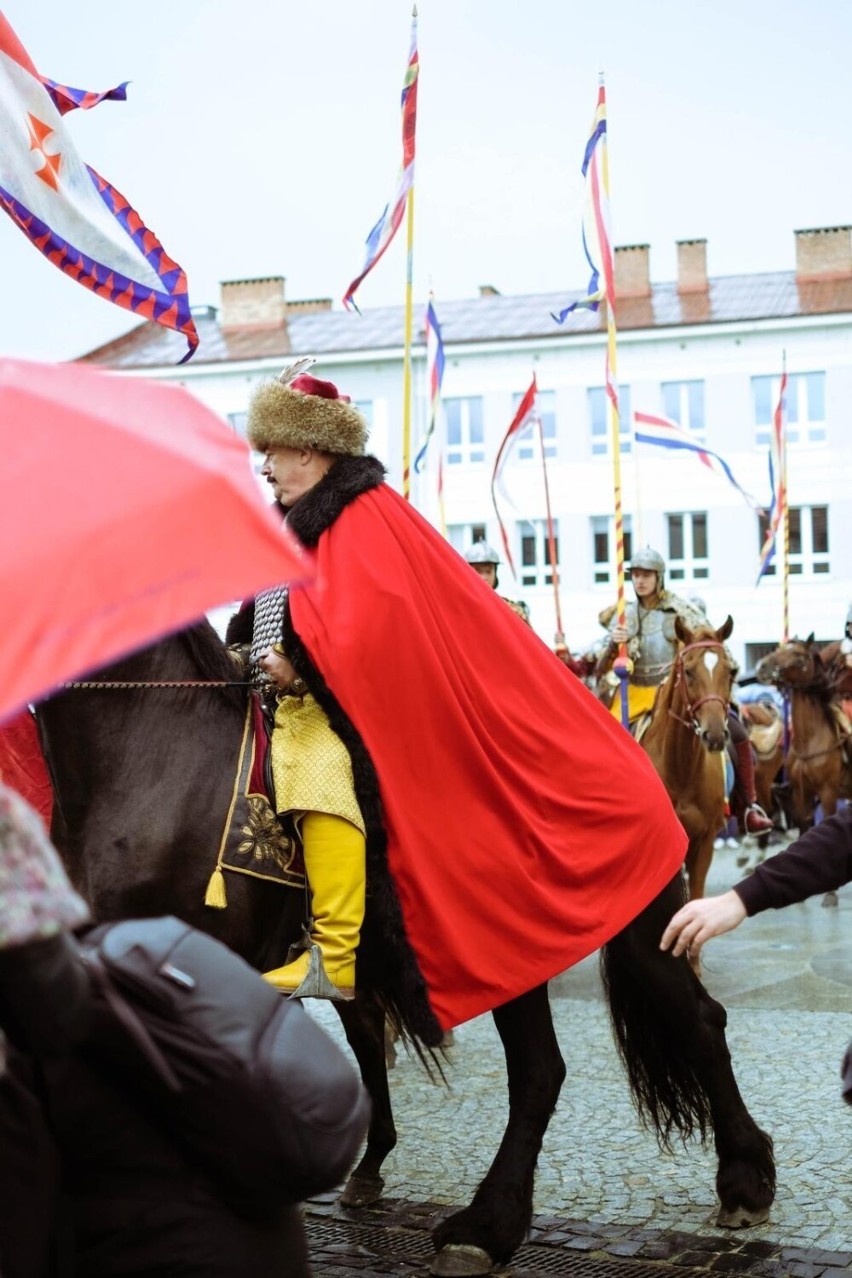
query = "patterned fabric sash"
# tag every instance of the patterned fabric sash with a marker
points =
(254, 842)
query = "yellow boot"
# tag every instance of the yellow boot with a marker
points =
(336, 869)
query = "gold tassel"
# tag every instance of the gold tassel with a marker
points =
(215, 895)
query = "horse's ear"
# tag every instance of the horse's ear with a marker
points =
(724, 631)
(809, 640)
(682, 631)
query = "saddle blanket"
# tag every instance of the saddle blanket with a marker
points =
(254, 840)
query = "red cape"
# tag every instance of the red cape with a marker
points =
(525, 826)
(22, 764)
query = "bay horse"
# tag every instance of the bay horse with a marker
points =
(687, 737)
(142, 778)
(816, 758)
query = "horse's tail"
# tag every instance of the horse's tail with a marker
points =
(655, 1005)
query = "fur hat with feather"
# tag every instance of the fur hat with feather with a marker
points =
(301, 411)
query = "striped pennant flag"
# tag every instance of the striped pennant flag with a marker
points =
(597, 237)
(777, 471)
(434, 376)
(526, 416)
(664, 433)
(77, 219)
(391, 218)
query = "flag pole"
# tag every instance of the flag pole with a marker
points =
(622, 664)
(785, 509)
(551, 542)
(409, 325)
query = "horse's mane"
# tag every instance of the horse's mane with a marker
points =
(212, 659)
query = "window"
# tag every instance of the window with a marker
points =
(535, 552)
(687, 557)
(527, 447)
(599, 419)
(805, 407)
(603, 547)
(808, 542)
(365, 408)
(462, 536)
(239, 423)
(465, 431)
(683, 402)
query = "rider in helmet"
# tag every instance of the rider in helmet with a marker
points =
(484, 559)
(649, 632)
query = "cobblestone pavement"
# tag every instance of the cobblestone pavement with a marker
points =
(603, 1188)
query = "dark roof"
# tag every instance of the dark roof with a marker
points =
(729, 299)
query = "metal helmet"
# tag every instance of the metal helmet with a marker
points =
(481, 553)
(650, 560)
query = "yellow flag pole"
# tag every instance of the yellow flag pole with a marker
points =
(785, 507)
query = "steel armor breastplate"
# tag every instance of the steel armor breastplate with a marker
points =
(268, 629)
(655, 645)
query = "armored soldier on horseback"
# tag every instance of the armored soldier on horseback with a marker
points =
(484, 561)
(649, 633)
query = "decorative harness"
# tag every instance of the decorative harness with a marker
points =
(806, 686)
(680, 682)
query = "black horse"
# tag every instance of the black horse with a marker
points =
(142, 780)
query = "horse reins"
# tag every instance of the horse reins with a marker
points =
(161, 683)
(680, 679)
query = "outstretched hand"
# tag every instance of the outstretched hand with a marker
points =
(698, 920)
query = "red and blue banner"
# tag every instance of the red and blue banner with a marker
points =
(434, 377)
(597, 237)
(391, 218)
(777, 479)
(664, 433)
(72, 215)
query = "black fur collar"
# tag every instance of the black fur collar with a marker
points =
(347, 479)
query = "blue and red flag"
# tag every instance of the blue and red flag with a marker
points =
(434, 377)
(664, 433)
(389, 223)
(77, 219)
(777, 478)
(597, 237)
(526, 416)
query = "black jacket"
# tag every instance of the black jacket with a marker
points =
(820, 861)
(93, 1185)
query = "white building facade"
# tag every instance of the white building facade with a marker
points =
(704, 352)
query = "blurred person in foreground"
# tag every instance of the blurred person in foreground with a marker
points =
(93, 1184)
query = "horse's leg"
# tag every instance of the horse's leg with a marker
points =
(671, 1036)
(491, 1229)
(364, 1024)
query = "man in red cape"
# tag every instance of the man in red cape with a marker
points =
(519, 826)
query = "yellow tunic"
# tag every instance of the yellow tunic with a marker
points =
(640, 700)
(311, 768)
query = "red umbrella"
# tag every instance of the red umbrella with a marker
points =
(127, 509)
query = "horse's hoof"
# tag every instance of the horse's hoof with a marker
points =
(362, 1191)
(829, 901)
(741, 1217)
(461, 1260)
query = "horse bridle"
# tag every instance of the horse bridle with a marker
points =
(680, 681)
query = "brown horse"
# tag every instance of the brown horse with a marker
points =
(816, 759)
(766, 733)
(687, 736)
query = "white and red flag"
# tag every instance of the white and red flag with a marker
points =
(524, 418)
(77, 219)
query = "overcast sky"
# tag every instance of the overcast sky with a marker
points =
(262, 137)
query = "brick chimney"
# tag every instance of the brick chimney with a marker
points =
(691, 266)
(632, 271)
(254, 303)
(825, 252)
